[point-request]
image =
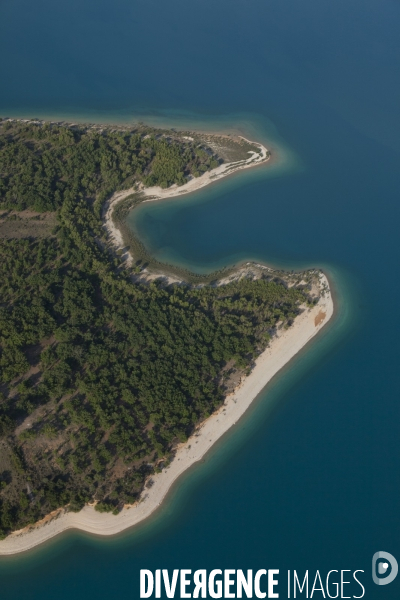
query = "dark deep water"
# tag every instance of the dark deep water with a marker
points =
(310, 479)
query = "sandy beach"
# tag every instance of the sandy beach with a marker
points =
(281, 350)
(157, 193)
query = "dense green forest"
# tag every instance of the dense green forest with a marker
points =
(100, 377)
(41, 166)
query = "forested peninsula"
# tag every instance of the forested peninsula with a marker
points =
(103, 376)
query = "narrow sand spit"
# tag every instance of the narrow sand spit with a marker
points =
(280, 351)
(158, 193)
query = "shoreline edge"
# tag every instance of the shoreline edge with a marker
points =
(280, 351)
(282, 348)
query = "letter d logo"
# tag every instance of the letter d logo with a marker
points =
(384, 568)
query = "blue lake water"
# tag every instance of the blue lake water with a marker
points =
(310, 478)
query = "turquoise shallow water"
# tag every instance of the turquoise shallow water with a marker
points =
(310, 477)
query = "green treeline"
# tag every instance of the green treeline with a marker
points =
(41, 166)
(100, 377)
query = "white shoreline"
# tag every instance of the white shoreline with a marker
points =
(175, 191)
(280, 351)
